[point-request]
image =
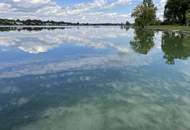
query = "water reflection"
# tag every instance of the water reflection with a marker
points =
(86, 78)
(37, 40)
(37, 52)
(88, 98)
(24, 100)
(175, 46)
(143, 41)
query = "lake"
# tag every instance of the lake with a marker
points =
(94, 78)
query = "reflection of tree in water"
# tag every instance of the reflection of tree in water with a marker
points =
(125, 27)
(143, 41)
(175, 46)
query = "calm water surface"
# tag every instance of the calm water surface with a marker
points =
(87, 78)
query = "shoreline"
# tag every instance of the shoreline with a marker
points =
(1, 26)
(173, 28)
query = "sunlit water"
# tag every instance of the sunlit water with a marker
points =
(94, 78)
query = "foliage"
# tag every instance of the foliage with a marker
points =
(187, 15)
(29, 22)
(49, 23)
(145, 14)
(175, 11)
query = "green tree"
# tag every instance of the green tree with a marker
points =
(145, 14)
(175, 11)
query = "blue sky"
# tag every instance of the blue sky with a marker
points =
(74, 10)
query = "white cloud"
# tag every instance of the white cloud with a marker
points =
(120, 3)
(95, 11)
(32, 1)
(4, 7)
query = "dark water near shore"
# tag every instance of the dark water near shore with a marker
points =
(94, 78)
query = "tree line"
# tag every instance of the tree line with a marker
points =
(30, 22)
(175, 12)
(49, 23)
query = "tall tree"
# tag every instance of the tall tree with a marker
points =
(175, 11)
(145, 14)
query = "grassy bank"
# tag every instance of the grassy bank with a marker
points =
(170, 28)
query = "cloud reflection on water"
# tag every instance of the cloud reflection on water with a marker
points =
(44, 40)
(112, 46)
(39, 42)
(93, 78)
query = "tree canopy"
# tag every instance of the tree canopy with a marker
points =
(175, 11)
(187, 15)
(145, 14)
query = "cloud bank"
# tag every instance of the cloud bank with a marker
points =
(91, 11)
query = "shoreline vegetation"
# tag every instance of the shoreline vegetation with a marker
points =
(29, 22)
(10, 23)
(178, 28)
(176, 16)
(166, 28)
(173, 28)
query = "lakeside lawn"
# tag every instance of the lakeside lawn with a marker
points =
(169, 28)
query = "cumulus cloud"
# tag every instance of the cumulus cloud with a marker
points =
(4, 7)
(32, 1)
(120, 3)
(49, 9)
(93, 11)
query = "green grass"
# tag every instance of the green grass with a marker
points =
(169, 27)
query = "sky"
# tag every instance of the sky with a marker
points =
(91, 11)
